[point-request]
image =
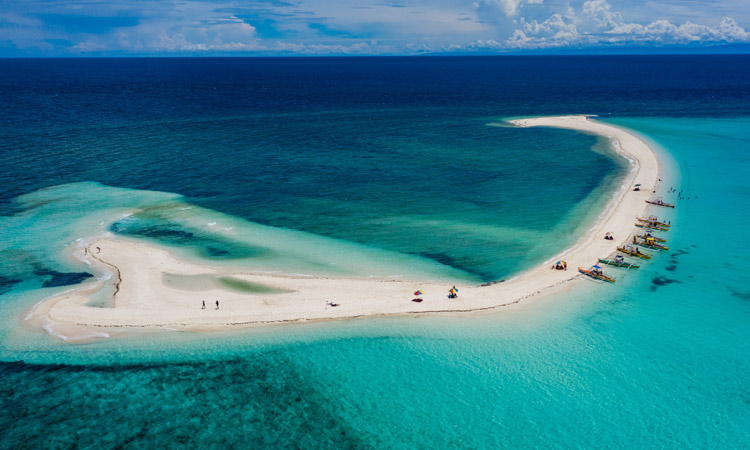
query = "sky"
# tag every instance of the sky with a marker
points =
(58, 28)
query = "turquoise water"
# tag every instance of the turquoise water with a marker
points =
(377, 167)
(450, 191)
(659, 360)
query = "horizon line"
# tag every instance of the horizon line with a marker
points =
(421, 55)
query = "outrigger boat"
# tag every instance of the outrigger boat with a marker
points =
(633, 251)
(619, 261)
(660, 202)
(650, 236)
(596, 273)
(653, 221)
(650, 243)
(651, 227)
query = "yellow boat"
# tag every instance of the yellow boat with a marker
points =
(653, 221)
(650, 243)
(649, 236)
(651, 227)
(633, 251)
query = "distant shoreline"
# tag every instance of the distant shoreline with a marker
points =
(144, 301)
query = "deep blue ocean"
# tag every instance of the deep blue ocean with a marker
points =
(379, 167)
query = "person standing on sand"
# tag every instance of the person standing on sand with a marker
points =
(204, 305)
(217, 304)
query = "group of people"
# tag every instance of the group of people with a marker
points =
(204, 304)
(679, 194)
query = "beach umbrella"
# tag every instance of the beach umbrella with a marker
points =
(453, 291)
(637, 184)
(418, 293)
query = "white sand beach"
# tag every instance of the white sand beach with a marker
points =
(144, 299)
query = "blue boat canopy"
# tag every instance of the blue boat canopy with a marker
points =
(596, 267)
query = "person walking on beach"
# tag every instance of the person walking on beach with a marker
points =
(204, 305)
(217, 304)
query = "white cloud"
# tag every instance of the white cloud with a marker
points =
(197, 29)
(179, 43)
(553, 32)
(358, 48)
(486, 44)
(364, 26)
(600, 24)
(510, 7)
(663, 31)
(600, 11)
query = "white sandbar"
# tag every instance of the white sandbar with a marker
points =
(144, 300)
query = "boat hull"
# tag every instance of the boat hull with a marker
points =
(655, 247)
(634, 254)
(649, 227)
(623, 265)
(595, 276)
(665, 205)
(653, 223)
(657, 239)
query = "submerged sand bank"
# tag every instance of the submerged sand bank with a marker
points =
(145, 297)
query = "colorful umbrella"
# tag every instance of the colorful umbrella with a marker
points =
(418, 293)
